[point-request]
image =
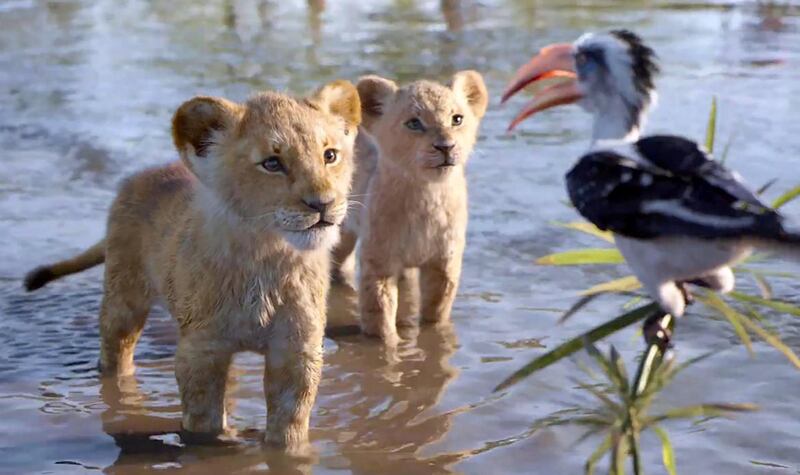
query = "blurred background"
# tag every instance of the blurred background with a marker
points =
(87, 89)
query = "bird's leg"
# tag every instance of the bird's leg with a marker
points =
(687, 295)
(655, 332)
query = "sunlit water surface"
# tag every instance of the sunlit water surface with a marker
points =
(86, 92)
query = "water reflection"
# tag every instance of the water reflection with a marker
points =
(382, 415)
(376, 412)
(149, 442)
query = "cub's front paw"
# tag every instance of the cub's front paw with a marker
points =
(388, 335)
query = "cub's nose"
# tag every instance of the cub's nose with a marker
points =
(444, 147)
(318, 205)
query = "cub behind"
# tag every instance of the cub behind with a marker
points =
(415, 200)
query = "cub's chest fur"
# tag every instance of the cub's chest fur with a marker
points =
(248, 299)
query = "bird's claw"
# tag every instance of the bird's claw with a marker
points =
(687, 295)
(656, 333)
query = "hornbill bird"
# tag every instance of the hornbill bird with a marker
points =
(677, 215)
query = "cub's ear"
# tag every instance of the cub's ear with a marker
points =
(470, 84)
(374, 91)
(196, 124)
(339, 98)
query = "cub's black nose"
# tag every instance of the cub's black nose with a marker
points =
(318, 205)
(445, 148)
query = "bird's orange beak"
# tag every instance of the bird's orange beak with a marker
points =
(552, 61)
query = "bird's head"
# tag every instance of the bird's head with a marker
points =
(610, 75)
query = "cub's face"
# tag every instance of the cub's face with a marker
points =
(276, 163)
(426, 128)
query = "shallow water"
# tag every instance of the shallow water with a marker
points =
(86, 92)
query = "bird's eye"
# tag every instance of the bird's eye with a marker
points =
(331, 156)
(272, 164)
(414, 124)
(458, 119)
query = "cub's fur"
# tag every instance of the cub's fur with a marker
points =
(235, 238)
(415, 196)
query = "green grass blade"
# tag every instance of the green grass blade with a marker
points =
(772, 340)
(726, 150)
(647, 366)
(582, 257)
(592, 421)
(598, 454)
(635, 452)
(778, 305)
(712, 300)
(575, 344)
(667, 453)
(766, 186)
(608, 365)
(619, 370)
(588, 228)
(711, 128)
(701, 410)
(763, 285)
(618, 455)
(624, 284)
(632, 302)
(607, 402)
(768, 273)
(786, 197)
(582, 302)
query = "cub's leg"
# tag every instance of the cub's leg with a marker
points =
(341, 252)
(201, 368)
(408, 297)
(292, 370)
(378, 302)
(123, 312)
(438, 286)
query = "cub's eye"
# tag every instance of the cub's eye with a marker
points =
(331, 156)
(414, 124)
(580, 59)
(458, 119)
(272, 164)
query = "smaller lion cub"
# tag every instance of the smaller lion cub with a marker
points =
(235, 239)
(416, 197)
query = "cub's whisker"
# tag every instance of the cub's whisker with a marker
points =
(260, 216)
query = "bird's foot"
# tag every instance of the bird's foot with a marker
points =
(655, 332)
(687, 295)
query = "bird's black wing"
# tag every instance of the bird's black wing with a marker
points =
(684, 157)
(677, 191)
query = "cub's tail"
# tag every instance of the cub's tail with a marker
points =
(39, 277)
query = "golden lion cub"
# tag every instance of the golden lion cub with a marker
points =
(235, 239)
(416, 197)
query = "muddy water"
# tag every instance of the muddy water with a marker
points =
(86, 92)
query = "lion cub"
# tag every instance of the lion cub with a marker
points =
(235, 239)
(416, 197)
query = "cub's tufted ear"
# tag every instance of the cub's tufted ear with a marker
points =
(470, 84)
(374, 91)
(200, 123)
(338, 98)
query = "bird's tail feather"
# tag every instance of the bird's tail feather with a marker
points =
(786, 243)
